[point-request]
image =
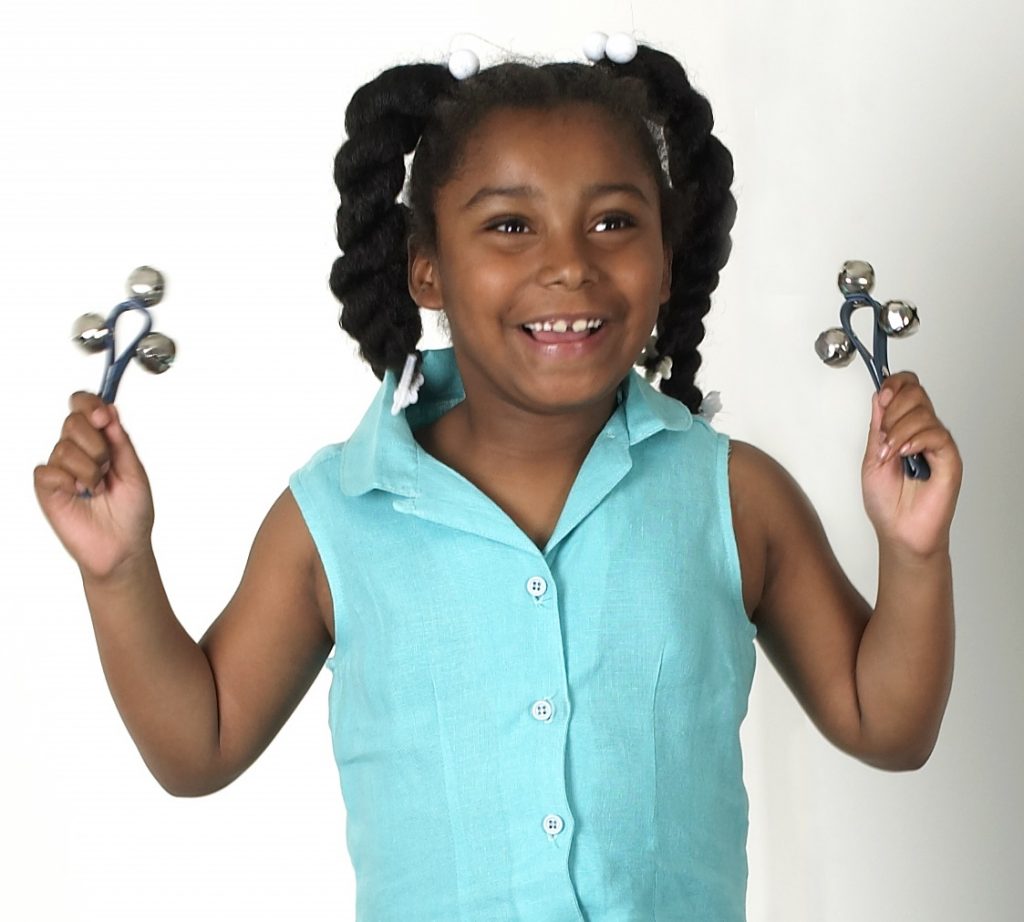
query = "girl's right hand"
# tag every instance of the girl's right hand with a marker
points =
(106, 531)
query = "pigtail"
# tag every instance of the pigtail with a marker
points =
(383, 121)
(703, 211)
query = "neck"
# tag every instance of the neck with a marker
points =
(506, 437)
(527, 438)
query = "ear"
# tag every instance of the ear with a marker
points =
(666, 275)
(424, 278)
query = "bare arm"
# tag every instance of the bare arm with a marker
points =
(200, 713)
(875, 681)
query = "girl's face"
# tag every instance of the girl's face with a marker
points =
(552, 219)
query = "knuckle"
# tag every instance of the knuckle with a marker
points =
(59, 455)
(72, 423)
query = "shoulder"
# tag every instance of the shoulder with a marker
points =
(771, 516)
(760, 483)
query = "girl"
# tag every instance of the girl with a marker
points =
(541, 575)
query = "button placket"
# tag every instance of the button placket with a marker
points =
(543, 709)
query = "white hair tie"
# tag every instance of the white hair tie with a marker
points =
(407, 390)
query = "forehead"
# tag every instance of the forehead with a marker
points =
(567, 139)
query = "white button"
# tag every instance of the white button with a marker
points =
(536, 586)
(542, 709)
(553, 824)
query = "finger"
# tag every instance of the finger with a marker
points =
(908, 399)
(78, 429)
(900, 379)
(909, 424)
(70, 457)
(935, 439)
(52, 481)
(86, 403)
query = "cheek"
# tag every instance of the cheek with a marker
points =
(646, 280)
(493, 289)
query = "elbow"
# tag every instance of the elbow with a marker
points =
(195, 788)
(915, 760)
(184, 787)
(192, 783)
(185, 791)
(902, 764)
(899, 759)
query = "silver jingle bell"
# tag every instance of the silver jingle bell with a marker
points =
(155, 352)
(90, 333)
(834, 347)
(899, 319)
(856, 277)
(146, 284)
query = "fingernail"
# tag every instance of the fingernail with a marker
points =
(905, 450)
(884, 453)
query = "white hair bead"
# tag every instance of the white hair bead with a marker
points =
(621, 48)
(463, 63)
(710, 405)
(594, 46)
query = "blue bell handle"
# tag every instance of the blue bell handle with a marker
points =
(116, 364)
(914, 466)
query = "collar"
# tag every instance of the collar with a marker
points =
(382, 453)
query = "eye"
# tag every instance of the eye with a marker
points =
(510, 224)
(614, 222)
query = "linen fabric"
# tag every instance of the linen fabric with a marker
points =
(527, 735)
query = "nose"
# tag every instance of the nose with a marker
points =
(567, 260)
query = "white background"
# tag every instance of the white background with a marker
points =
(199, 137)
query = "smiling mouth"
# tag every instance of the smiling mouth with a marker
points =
(563, 331)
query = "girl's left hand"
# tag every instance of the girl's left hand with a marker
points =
(912, 516)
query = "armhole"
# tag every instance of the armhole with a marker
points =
(319, 529)
(731, 545)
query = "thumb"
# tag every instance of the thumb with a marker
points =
(875, 437)
(124, 462)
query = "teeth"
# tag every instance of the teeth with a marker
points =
(562, 326)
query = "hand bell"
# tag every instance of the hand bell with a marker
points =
(856, 277)
(91, 333)
(834, 347)
(155, 352)
(899, 319)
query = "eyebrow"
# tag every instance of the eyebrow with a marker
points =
(592, 191)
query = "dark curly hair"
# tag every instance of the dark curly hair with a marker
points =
(422, 107)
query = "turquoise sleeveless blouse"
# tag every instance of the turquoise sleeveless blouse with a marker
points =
(526, 735)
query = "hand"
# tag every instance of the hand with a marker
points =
(105, 531)
(909, 515)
